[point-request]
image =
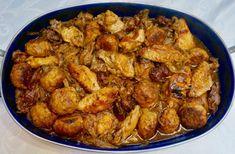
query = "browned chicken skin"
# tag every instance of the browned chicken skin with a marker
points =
(111, 81)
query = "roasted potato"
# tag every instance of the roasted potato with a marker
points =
(147, 123)
(64, 101)
(146, 94)
(69, 125)
(41, 116)
(193, 115)
(168, 121)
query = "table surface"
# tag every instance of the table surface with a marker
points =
(219, 14)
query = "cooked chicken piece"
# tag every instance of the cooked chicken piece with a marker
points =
(72, 35)
(159, 73)
(133, 40)
(111, 22)
(214, 97)
(64, 101)
(146, 94)
(169, 121)
(19, 56)
(201, 80)
(86, 55)
(99, 100)
(147, 123)
(193, 115)
(118, 63)
(163, 54)
(185, 40)
(69, 125)
(197, 55)
(52, 79)
(41, 116)
(92, 31)
(21, 74)
(142, 69)
(107, 42)
(37, 62)
(84, 76)
(180, 84)
(127, 126)
(38, 48)
(155, 35)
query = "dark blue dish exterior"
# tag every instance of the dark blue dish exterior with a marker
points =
(198, 28)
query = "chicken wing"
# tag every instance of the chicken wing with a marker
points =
(127, 126)
(201, 80)
(84, 76)
(37, 62)
(99, 100)
(163, 54)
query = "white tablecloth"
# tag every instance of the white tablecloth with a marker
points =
(219, 14)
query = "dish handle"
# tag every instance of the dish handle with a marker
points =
(231, 49)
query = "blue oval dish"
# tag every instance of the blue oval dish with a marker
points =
(197, 27)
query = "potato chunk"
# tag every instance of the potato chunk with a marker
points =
(52, 79)
(117, 63)
(101, 124)
(193, 115)
(201, 80)
(37, 62)
(41, 116)
(133, 40)
(146, 94)
(68, 125)
(21, 74)
(64, 101)
(147, 123)
(185, 39)
(98, 101)
(169, 121)
(38, 48)
(127, 126)
(84, 76)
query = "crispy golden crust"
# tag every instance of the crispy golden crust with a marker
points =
(193, 115)
(21, 74)
(146, 94)
(41, 116)
(99, 100)
(64, 101)
(168, 121)
(68, 125)
(84, 76)
(147, 123)
(52, 79)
